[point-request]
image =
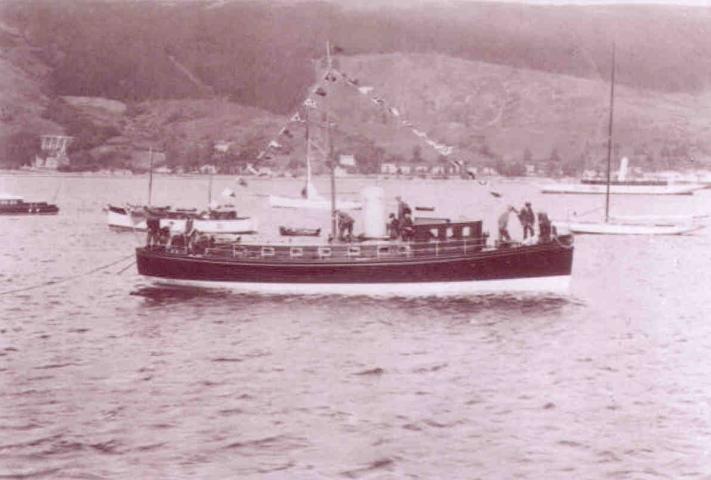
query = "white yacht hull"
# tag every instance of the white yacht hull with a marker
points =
(554, 284)
(582, 188)
(118, 221)
(276, 201)
(616, 228)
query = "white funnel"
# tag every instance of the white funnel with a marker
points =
(373, 212)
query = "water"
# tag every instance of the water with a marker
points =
(103, 376)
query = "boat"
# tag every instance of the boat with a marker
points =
(217, 219)
(223, 220)
(621, 188)
(299, 232)
(310, 197)
(16, 205)
(626, 228)
(620, 226)
(459, 264)
(623, 185)
(439, 258)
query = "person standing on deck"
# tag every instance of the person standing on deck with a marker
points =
(393, 227)
(402, 209)
(527, 219)
(504, 224)
(407, 227)
(345, 226)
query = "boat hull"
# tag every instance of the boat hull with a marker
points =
(602, 228)
(559, 284)
(40, 208)
(545, 267)
(621, 189)
(276, 201)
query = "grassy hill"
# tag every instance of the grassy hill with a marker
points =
(494, 80)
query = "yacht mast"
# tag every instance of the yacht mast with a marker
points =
(331, 162)
(609, 136)
(150, 174)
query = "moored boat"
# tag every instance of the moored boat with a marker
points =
(621, 188)
(459, 264)
(626, 228)
(435, 257)
(224, 220)
(16, 205)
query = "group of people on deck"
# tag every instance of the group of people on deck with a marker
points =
(190, 238)
(528, 220)
(402, 226)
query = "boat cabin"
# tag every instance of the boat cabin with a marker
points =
(7, 200)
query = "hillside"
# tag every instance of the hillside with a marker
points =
(258, 53)
(500, 82)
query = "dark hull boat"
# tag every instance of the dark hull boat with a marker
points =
(432, 257)
(457, 266)
(14, 205)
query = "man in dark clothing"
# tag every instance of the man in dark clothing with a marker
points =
(407, 227)
(153, 227)
(527, 219)
(402, 208)
(544, 227)
(393, 227)
(345, 226)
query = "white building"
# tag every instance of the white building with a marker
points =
(53, 152)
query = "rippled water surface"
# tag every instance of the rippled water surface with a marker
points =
(103, 376)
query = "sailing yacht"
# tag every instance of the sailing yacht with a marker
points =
(310, 197)
(616, 225)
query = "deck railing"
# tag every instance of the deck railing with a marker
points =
(337, 251)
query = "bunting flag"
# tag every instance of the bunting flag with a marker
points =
(442, 149)
(332, 76)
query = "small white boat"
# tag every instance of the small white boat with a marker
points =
(659, 219)
(310, 197)
(613, 228)
(621, 189)
(313, 202)
(134, 219)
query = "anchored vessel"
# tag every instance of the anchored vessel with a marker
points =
(223, 220)
(443, 259)
(432, 258)
(15, 205)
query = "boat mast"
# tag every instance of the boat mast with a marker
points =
(609, 136)
(150, 174)
(331, 162)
